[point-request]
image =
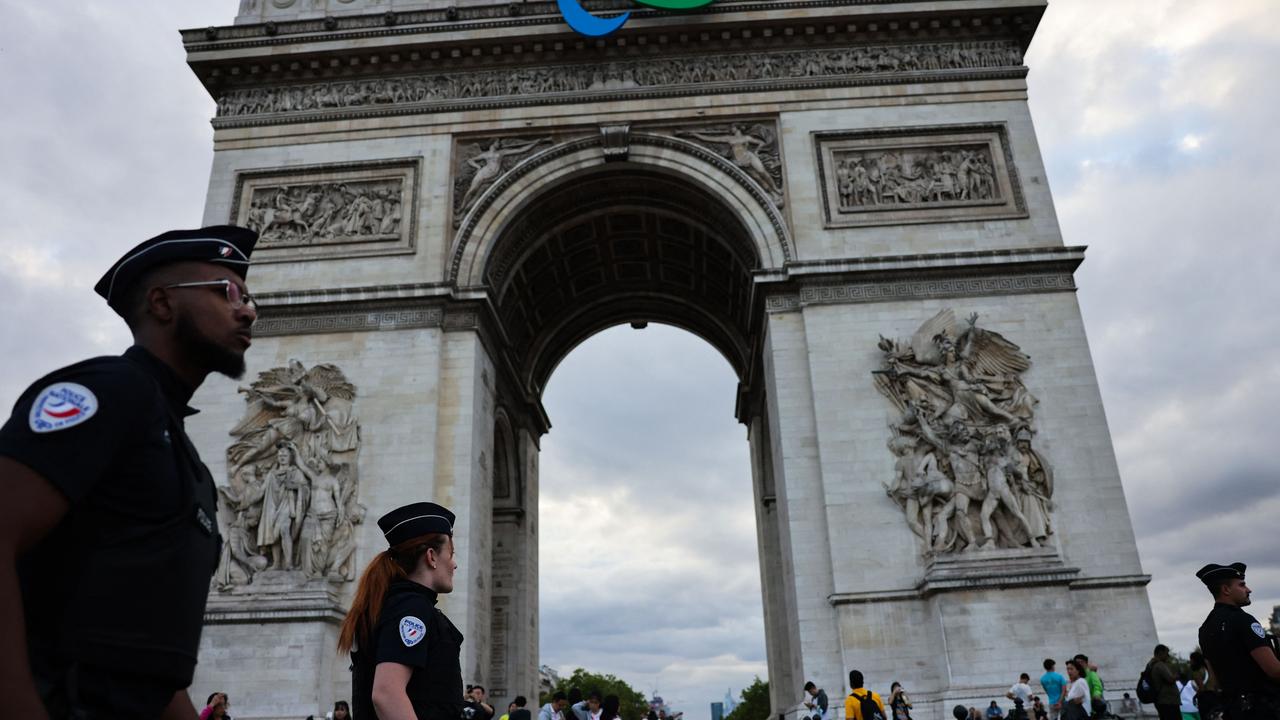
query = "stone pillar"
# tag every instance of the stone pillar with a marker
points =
(801, 511)
(464, 442)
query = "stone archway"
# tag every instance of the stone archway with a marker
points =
(575, 244)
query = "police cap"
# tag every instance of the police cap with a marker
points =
(222, 244)
(415, 520)
(1213, 573)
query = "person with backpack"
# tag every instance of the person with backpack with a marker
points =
(862, 704)
(1163, 685)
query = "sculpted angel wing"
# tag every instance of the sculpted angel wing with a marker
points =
(926, 350)
(330, 379)
(990, 354)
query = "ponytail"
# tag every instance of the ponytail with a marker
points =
(386, 567)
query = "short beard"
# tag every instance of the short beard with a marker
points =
(208, 354)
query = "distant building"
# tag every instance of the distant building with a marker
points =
(729, 702)
(717, 711)
(547, 679)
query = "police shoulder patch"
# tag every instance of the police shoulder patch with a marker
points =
(412, 630)
(60, 406)
(1257, 630)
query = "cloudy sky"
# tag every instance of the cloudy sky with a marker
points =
(1157, 119)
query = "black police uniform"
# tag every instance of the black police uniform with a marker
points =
(141, 510)
(114, 596)
(412, 631)
(1227, 638)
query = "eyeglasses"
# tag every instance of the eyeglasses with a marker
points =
(236, 297)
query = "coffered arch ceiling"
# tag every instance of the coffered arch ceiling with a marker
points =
(616, 245)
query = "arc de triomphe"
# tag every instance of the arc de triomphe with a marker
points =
(844, 197)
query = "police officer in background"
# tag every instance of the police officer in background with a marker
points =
(405, 653)
(107, 531)
(1237, 647)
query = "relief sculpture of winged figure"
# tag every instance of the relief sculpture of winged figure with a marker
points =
(967, 474)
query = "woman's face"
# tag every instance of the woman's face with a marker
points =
(445, 565)
(1072, 673)
(340, 714)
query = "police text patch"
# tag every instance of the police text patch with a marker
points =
(1257, 630)
(412, 630)
(60, 406)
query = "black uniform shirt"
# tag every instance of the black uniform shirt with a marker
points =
(1227, 637)
(412, 631)
(122, 581)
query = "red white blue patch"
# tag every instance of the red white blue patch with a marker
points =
(225, 251)
(412, 630)
(62, 405)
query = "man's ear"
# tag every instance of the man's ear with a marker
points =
(158, 305)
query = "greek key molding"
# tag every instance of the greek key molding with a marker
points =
(336, 321)
(620, 80)
(935, 288)
(895, 289)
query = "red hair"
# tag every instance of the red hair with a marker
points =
(386, 567)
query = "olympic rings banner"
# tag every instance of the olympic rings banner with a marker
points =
(587, 24)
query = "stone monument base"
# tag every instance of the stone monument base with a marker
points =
(272, 646)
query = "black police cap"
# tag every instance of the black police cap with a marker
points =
(1211, 573)
(222, 244)
(415, 520)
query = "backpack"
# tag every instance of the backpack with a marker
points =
(1146, 690)
(869, 708)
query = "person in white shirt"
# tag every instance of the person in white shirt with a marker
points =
(1076, 705)
(588, 709)
(1021, 690)
(554, 710)
(1187, 692)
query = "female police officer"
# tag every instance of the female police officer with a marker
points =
(404, 651)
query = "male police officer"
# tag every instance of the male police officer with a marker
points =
(1236, 647)
(107, 530)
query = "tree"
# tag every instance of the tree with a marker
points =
(631, 703)
(755, 703)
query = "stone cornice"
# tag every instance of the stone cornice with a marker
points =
(493, 16)
(434, 61)
(913, 277)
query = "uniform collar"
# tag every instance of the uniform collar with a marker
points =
(175, 390)
(1226, 606)
(413, 587)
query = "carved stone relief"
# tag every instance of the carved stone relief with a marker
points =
(291, 499)
(480, 162)
(329, 211)
(917, 175)
(966, 475)
(753, 148)
(712, 72)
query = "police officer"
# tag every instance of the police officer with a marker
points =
(1237, 647)
(107, 530)
(404, 651)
